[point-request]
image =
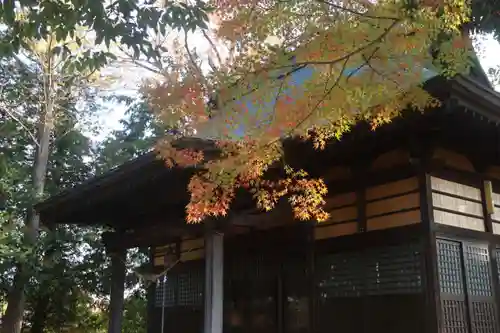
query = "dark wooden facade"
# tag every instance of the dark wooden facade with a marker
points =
(413, 243)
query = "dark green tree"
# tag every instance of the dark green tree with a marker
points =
(69, 269)
(66, 165)
(136, 136)
(126, 22)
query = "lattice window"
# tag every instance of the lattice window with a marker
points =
(375, 271)
(190, 286)
(483, 317)
(165, 291)
(454, 316)
(450, 267)
(341, 275)
(480, 289)
(394, 270)
(451, 285)
(497, 257)
(251, 267)
(456, 261)
(181, 288)
(477, 265)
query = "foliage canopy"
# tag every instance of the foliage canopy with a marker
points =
(299, 69)
(125, 22)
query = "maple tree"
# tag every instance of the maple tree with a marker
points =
(306, 69)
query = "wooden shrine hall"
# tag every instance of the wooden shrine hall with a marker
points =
(412, 245)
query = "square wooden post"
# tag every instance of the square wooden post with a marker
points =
(432, 300)
(116, 302)
(214, 274)
(151, 298)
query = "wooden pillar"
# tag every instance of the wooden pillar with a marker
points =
(118, 258)
(151, 299)
(214, 273)
(432, 299)
(311, 277)
(491, 247)
(360, 180)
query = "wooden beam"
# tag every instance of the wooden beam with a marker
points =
(256, 218)
(116, 302)
(359, 173)
(365, 240)
(214, 292)
(432, 300)
(421, 149)
(155, 235)
(151, 298)
(311, 269)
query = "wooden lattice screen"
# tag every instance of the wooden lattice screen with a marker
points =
(266, 284)
(181, 287)
(467, 300)
(180, 295)
(372, 290)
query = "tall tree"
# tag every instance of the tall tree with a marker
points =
(69, 272)
(54, 81)
(299, 69)
(60, 282)
(43, 28)
(137, 135)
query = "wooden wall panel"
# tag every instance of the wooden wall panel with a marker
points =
(496, 199)
(192, 255)
(453, 160)
(394, 220)
(398, 203)
(459, 221)
(495, 217)
(191, 249)
(164, 254)
(159, 261)
(393, 204)
(458, 189)
(457, 204)
(393, 188)
(190, 244)
(340, 200)
(323, 231)
(496, 228)
(343, 216)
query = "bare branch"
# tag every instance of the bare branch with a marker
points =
(137, 62)
(212, 45)
(354, 12)
(18, 120)
(190, 55)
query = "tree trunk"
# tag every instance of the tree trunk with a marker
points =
(40, 315)
(16, 300)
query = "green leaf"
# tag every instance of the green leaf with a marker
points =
(8, 13)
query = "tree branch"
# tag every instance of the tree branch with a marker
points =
(131, 59)
(17, 120)
(354, 12)
(214, 48)
(190, 55)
